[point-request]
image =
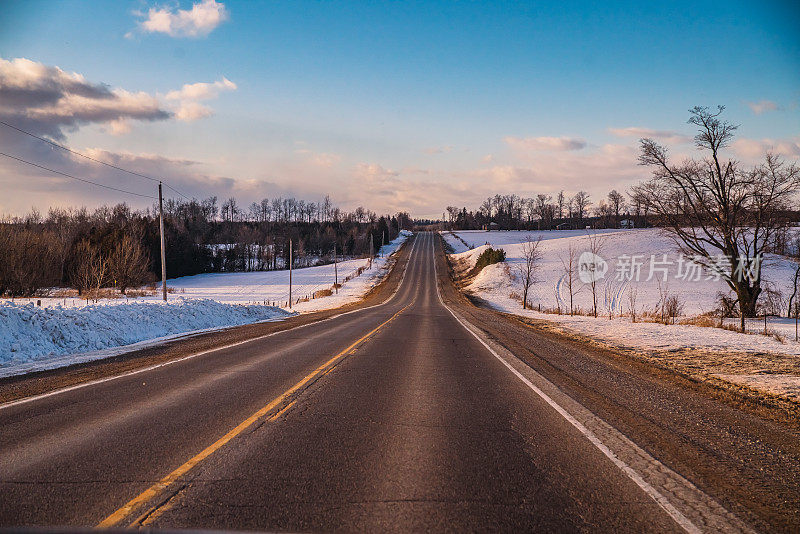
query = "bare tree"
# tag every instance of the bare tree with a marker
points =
(128, 263)
(596, 245)
(452, 215)
(605, 212)
(529, 266)
(360, 214)
(98, 274)
(486, 208)
(632, 294)
(230, 210)
(88, 270)
(545, 210)
(561, 203)
(581, 202)
(530, 209)
(326, 208)
(672, 308)
(29, 260)
(268, 212)
(714, 207)
(617, 203)
(569, 265)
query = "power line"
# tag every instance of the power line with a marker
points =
(181, 194)
(76, 178)
(62, 147)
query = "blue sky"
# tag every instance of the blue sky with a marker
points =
(409, 106)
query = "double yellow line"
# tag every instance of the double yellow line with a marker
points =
(150, 493)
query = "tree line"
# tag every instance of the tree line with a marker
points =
(547, 212)
(115, 246)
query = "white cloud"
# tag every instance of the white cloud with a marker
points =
(415, 170)
(388, 191)
(24, 82)
(189, 109)
(372, 172)
(198, 21)
(325, 159)
(48, 101)
(202, 90)
(598, 170)
(32, 187)
(79, 108)
(762, 106)
(754, 149)
(438, 149)
(664, 135)
(45, 99)
(503, 176)
(119, 127)
(545, 143)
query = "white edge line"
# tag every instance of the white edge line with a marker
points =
(195, 355)
(662, 501)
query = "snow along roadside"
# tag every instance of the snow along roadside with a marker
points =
(37, 339)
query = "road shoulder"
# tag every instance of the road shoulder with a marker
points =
(672, 366)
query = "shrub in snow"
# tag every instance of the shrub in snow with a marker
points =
(489, 257)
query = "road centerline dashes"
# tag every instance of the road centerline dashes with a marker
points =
(159, 487)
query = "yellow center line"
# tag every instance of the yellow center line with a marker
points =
(165, 482)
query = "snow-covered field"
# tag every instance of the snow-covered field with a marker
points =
(500, 285)
(63, 331)
(648, 246)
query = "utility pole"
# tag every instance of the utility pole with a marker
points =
(371, 253)
(383, 238)
(163, 249)
(290, 274)
(335, 271)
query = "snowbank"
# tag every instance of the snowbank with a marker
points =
(31, 336)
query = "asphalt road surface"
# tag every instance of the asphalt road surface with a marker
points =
(419, 413)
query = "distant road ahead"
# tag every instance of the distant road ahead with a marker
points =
(400, 416)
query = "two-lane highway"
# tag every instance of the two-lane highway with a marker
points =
(400, 417)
